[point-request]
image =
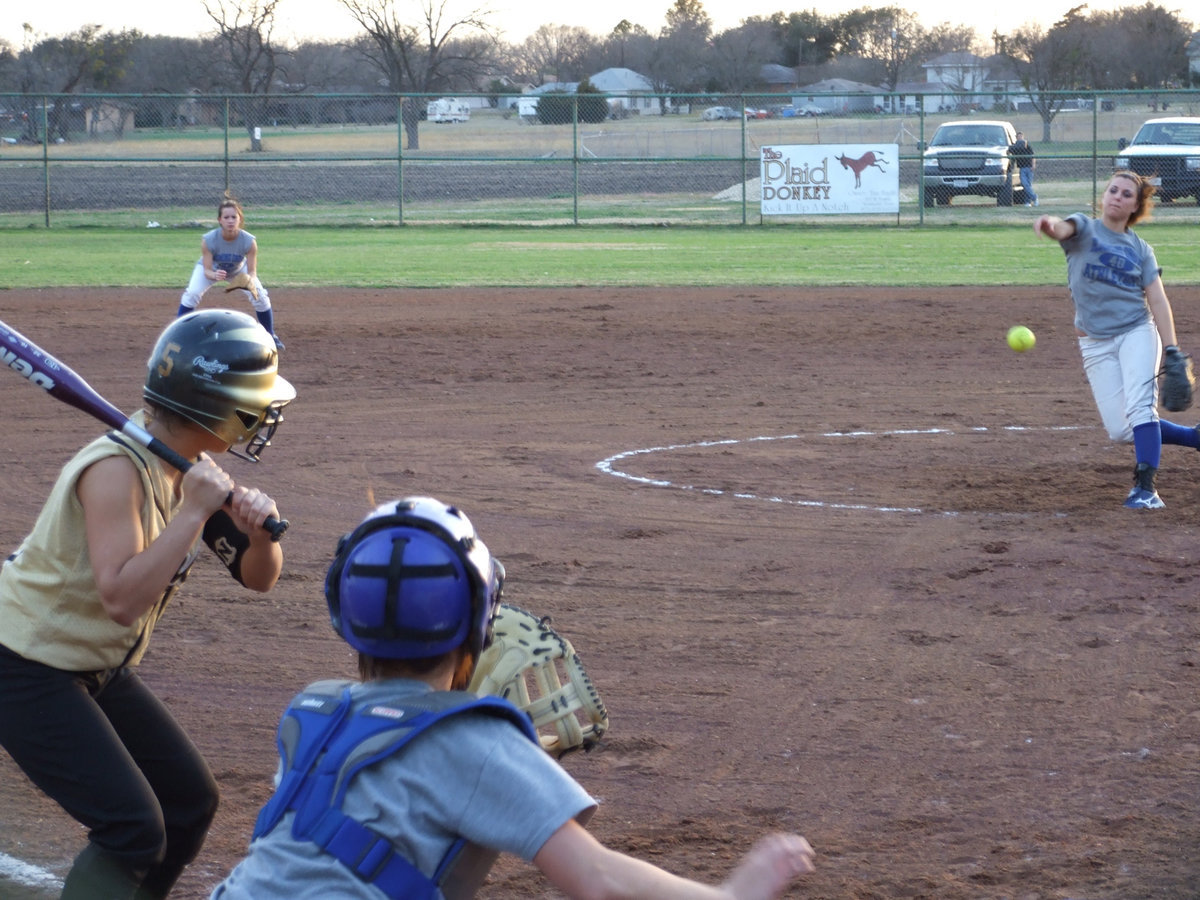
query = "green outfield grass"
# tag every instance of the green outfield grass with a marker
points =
(435, 256)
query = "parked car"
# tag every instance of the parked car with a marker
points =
(1167, 151)
(719, 113)
(970, 156)
(752, 113)
(809, 110)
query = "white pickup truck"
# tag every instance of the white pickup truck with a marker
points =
(1167, 151)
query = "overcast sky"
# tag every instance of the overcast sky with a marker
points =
(328, 20)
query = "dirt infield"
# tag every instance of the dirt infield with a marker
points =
(839, 561)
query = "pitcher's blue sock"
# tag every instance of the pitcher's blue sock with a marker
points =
(1147, 443)
(1182, 435)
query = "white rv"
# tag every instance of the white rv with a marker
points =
(448, 109)
(527, 108)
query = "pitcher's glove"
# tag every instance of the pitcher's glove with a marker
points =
(242, 282)
(532, 666)
(1178, 380)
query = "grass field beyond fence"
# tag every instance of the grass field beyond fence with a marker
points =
(435, 256)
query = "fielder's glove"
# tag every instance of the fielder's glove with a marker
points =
(1178, 380)
(242, 282)
(529, 664)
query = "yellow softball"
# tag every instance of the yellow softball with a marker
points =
(1021, 338)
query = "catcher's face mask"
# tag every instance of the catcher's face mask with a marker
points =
(494, 598)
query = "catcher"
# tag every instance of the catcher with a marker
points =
(1124, 321)
(406, 785)
(230, 254)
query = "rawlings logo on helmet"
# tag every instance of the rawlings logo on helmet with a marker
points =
(209, 367)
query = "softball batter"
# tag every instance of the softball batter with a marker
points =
(226, 252)
(1123, 320)
(81, 595)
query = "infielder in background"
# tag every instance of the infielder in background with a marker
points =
(1123, 320)
(79, 599)
(230, 253)
(406, 786)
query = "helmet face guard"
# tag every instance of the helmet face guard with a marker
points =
(219, 369)
(260, 440)
(413, 580)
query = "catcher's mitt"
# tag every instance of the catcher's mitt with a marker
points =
(242, 282)
(535, 668)
(1178, 380)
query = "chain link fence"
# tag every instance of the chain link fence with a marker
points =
(387, 159)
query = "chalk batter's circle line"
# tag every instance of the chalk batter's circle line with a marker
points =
(608, 465)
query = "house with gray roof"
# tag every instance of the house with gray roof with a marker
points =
(629, 91)
(778, 79)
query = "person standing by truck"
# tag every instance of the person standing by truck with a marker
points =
(1021, 153)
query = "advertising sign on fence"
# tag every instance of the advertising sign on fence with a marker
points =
(814, 179)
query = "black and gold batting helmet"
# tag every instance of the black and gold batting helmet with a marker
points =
(219, 369)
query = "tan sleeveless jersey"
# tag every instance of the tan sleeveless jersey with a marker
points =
(50, 609)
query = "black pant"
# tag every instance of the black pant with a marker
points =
(110, 753)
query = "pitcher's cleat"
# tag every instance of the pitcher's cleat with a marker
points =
(1144, 495)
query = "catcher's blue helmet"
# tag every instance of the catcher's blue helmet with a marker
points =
(413, 580)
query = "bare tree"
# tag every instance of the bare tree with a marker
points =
(738, 54)
(948, 38)
(678, 60)
(442, 50)
(244, 34)
(1108, 59)
(1158, 45)
(888, 36)
(8, 63)
(328, 68)
(557, 53)
(87, 59)
(1050, 62)
(809, 39)
(628, 46)
(158, 63)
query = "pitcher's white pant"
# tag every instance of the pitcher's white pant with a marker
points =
(1123, 373)
(199, 283)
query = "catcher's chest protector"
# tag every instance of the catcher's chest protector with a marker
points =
(323, 743)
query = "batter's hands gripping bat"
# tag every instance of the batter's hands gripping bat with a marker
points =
(63, 383)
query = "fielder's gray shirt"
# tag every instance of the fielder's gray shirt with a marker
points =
(228, 255)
